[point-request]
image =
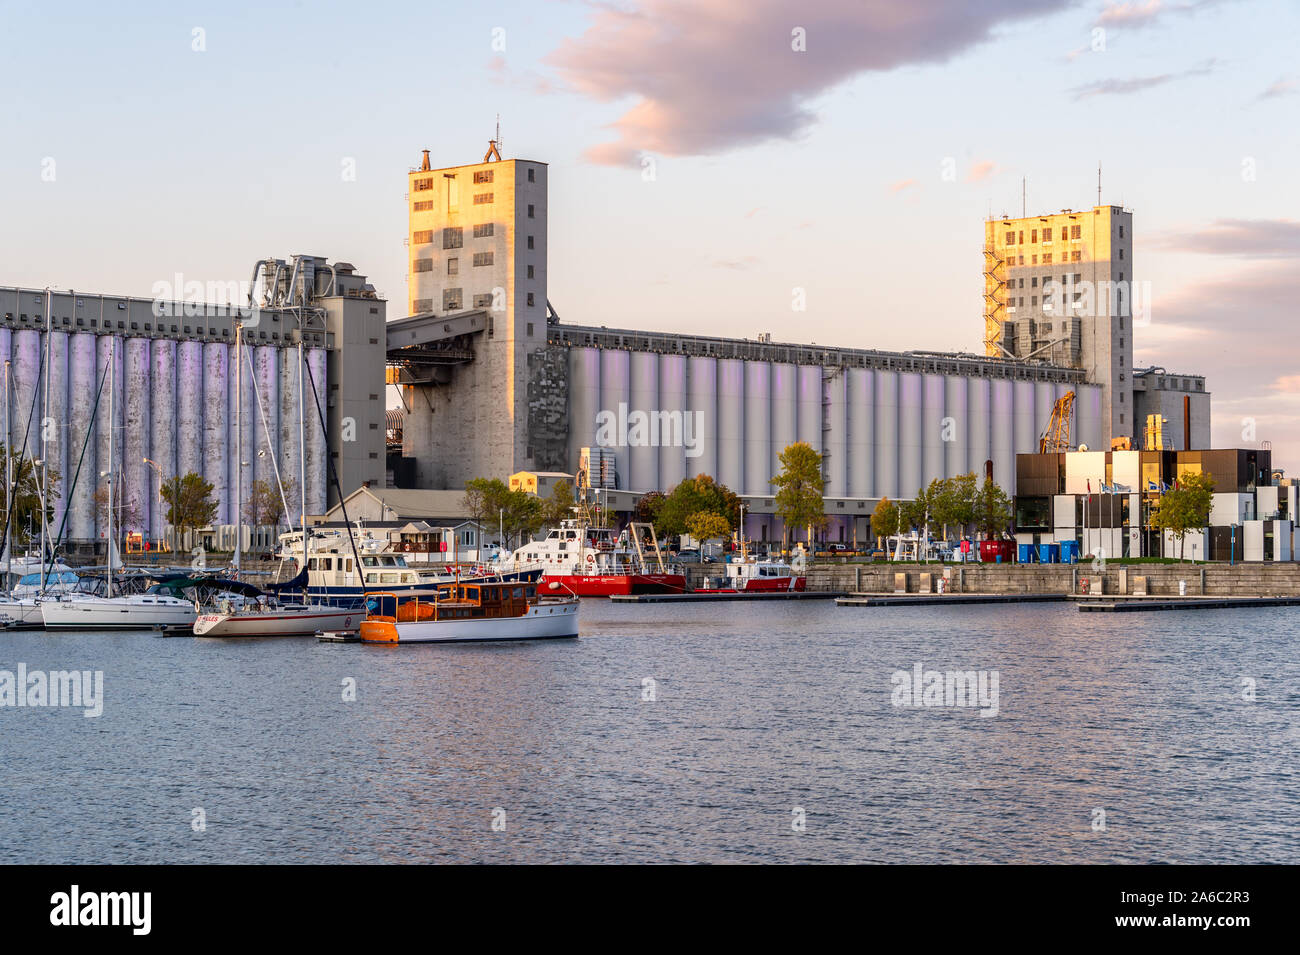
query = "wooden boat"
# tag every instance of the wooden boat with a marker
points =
(466, 611)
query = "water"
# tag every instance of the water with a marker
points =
(760, 708)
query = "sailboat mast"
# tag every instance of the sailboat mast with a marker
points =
(239, 442)
(112, 387)
(302, 445)
(9, 473)
(45, 418)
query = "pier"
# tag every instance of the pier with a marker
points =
(912, 600)
(699, 597)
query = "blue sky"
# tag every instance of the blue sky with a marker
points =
(820, 169)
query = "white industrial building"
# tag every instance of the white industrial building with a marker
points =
(174, 398)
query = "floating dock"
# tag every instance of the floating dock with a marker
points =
(336, 636)
(1123, 604)
(701, 597)
(912, 600)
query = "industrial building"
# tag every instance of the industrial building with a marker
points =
(174, 396)
(1104, 500)
(493, 383)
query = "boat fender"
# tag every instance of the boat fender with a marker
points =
(554, 585)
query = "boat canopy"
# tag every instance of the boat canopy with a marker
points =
(177, 585)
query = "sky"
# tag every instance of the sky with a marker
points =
(706, 158)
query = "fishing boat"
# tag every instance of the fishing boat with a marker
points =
(467, 611)
(582, 560)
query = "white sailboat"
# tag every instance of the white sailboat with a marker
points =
(266, 616)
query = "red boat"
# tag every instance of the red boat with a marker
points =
(576, 558)
(608, 585)
(759, 576)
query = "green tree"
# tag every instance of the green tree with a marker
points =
(954, 503)
(705, 525)
(647, 509)
(27, 499)
(559, 506)
(800, 486)
(992, 509)
(190, 502)
(492, 504)
(693, 496)
(886, 520)
(1185, 507)
(264, 505)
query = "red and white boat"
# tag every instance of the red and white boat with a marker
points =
(759, 576)
(584, 561)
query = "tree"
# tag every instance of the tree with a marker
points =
(886, 519)
(1185, 507)
(559, 506)
(125, 514)
(647, 509)
(27, 501)
(800, 487)
(704, 525)
(264, 505)
(492, 504)
(693, 496)
(992, 509)
(190, 502)
(953, 502)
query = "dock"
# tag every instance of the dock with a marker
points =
(702, 597)
(337, 636)
(1123, 604)
(913, 600)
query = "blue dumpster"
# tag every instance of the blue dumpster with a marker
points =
(1025, 554)
(1069, 552)
(1049, 553)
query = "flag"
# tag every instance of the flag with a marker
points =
(1152, 486)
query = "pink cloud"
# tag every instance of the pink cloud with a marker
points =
(903, 184)
(707, 77)
(981, 170)
(1243, 238)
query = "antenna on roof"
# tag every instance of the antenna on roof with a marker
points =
(1098, 183)
(1024, 196)
(494, 145)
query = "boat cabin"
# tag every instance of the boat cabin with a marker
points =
(453, 601)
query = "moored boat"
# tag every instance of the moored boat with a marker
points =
(276, 621)
(581, 560)
(469, 612)
(758, 576)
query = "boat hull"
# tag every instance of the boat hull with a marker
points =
(608, 585)
(110, 614)
(306, 623)
(545, 621)
(25, 613)
(353, 597)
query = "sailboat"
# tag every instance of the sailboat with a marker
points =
(267, 616)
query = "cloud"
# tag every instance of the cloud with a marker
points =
(1130, 14)
(1122, 87)
(981, 170)
(1279, 88)
(1136, 13)
(903, 184)
(700, 79)
(1242, 238)
(1235, 328)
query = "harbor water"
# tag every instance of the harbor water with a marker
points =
(764, 732)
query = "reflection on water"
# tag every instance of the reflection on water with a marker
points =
(758, 709)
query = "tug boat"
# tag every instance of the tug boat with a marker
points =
(579, 560)
(469, 611)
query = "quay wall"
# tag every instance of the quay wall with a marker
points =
(1254, 579)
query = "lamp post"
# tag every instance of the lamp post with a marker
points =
(158, 470)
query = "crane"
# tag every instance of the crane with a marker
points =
(1056, 436)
